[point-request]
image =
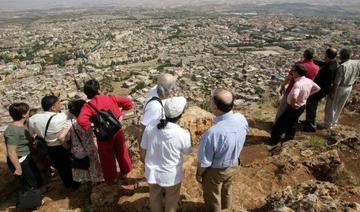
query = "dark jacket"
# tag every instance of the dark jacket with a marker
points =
(325, 77)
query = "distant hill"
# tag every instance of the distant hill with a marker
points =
(49, 4)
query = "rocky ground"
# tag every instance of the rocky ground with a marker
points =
(354, 102)
(314, 172)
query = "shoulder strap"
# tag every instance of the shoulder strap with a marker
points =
(153, 99)
(77, 135)
(47, 125)
(93, 107)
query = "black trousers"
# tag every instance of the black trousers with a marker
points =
(311, 108)
(30, 178)
(60, 157)
(286, 124)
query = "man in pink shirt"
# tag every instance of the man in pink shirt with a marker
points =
(296, 100)
(311, 71)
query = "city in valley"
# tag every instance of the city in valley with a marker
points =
(248, 49)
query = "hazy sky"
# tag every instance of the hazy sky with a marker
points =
(46, 4)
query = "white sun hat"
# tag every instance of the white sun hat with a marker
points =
(174, 106)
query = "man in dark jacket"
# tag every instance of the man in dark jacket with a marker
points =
(324, 79)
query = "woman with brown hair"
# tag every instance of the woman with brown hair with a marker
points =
(19, 160)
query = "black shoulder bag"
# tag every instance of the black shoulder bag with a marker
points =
(28, 199)
(79, 163)
(41, 146)
(106, 125)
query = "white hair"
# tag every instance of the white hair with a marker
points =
(165, 83)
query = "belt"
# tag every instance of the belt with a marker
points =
(22, 159)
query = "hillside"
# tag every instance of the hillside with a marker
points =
(314, 172)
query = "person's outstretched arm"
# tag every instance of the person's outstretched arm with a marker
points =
(286, 81)
(124, 103)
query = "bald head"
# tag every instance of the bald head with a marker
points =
(164, 85)
(331, 53)
(223, 100)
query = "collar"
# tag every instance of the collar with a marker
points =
(156, 93)
(223, 117)
(307, 60)
(51, 112)
(299, 78)
(344, 61)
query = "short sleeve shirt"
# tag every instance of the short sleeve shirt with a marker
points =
(37, 125)
(164, 149)
(153, 110)
(19, 136)
(311, 71)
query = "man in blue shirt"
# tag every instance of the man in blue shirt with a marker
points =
(219, 152)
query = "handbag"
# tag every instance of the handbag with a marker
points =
(29, 199)
(79, 163)
(40, 143)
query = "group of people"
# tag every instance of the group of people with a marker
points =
(162, 142)
(308, 82)
(57, 139)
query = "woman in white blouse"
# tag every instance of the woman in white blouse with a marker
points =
(162, 147)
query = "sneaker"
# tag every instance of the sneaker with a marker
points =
(271, 145)
(46, 189)
(304, 122)
(322, 126)
(286, 139)
(308, 128)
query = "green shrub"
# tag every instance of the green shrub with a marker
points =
(273, 101)
(140, 85)
(6, 58)
(317, 142)
(124, 85)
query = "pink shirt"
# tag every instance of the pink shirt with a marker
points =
(302, 89)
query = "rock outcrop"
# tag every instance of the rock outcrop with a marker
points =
(309, 196)
(103, 194)
(197, 121)
(326, 165)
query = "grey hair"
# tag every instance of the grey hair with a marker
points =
(345, 53)
(166, 82)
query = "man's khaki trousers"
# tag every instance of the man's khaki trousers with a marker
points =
(217, 187)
